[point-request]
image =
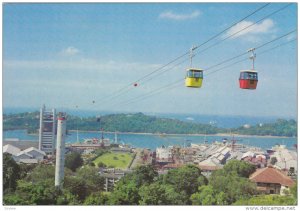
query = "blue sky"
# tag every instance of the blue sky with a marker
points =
(68, 55)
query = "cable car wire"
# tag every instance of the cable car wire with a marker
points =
(219, 42)
(226, 38)
(154, 92)
(159, 90)
(129, 87)
(260, 53)
(258, 47)
(125, 88)
(179, 82)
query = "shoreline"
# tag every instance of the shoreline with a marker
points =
(194, 134)
(172, 134)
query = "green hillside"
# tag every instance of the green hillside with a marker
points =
(140, 123)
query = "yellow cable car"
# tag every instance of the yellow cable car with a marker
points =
(194, 78)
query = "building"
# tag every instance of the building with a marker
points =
(10, 149)
(28, 156)
(47, 131)
(209, 165)
(112, 176)
(286, 159)
(164, 154)
(36, 153)
(271, 181)
(21, 144)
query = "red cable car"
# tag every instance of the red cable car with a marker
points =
(248, 79)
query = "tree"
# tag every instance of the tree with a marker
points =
(40, 173)
(39, 193)
(66, 198)
(144, 175)
(125, 192)
(241, 168)
(92, 178)
(14, 199)
(127, 189)
(273, 160)
(97, 198)
(101, 164)
(73, 161)
(26, 169)
(205, 196)
(185, 179)
(234, 186)
(153, 194)
(76, 186)
(28, 193)
(11, 173)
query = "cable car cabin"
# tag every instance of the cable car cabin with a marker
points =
(194, 78)
(248, 79)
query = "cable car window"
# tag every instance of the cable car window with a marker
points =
(198, 74)
(253, 76)
(190, 74)
(243, 75)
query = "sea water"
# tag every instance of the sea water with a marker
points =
(153, 141)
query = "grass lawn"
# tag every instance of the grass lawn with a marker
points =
(116, 160)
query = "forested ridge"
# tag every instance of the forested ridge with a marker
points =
(140, 123)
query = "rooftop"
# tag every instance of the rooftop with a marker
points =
(271, 175)
(11, 149)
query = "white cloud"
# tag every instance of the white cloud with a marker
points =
(70, 51)
(251, 29)
(179, 17)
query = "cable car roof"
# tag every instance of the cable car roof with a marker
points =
(249, 71)
(196, 69)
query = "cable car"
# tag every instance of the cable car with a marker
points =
(248, 79)
(194, 78)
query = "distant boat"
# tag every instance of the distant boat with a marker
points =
(270, 151)
(162, 134)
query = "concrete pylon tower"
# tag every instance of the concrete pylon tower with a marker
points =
(60, 149)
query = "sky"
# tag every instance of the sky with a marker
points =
(88, 56)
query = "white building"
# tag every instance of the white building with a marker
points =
(163, 153)
(22, 155)
(286, 159)
(10, 149)
(36, 153)
(30, 155)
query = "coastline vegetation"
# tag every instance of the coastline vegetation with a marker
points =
(140, 123)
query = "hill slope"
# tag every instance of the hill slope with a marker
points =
(140, 123)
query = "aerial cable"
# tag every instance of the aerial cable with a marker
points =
(226, 38)
(183, 55)
(260, 53)
(191, 52)
(152, 93)
(179, 82)
(156, 91)
(258, 47)
(129, 87)
(198, 46)
(231, 26)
